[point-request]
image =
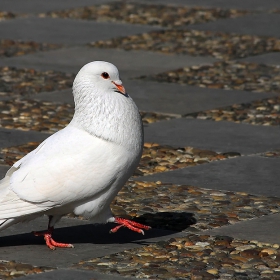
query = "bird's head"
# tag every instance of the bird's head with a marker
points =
(104, 76)
(103, 108)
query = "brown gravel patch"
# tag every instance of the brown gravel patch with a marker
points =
(136, 13)
(196, 43)
(26, 114)
(15, 82)
(34, 115)
(6, 15)
(10, 269)
(226, 75)
(193, 257)
(10, 48)
(260, 112)
(155, 159)
(158, 158)
(188, 208)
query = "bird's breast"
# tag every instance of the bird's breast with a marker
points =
(112, 118)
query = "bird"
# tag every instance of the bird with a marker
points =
(81, 168)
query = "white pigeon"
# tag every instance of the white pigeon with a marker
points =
(81, 168)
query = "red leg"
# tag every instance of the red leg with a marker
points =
(129, 224)
(48, 238)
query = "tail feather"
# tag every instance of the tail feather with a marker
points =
(4, 184)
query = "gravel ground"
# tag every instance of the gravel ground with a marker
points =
(197, 43)
(189, 208)
(136, 13)
(226, 75)
(158, 158)
(194, 257)
(26, 114)
(17, 82)
(34, 115)
(260, 112)
(10, 269)
(10, 48)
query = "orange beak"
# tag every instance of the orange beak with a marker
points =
(119, 87)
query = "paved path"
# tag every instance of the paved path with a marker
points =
(211, 181)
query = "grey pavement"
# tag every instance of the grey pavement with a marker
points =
(264, 229)
(3, 170)
(39, 6)
(65, 31)
(268, 58)
(218, 136)
(74, 274)
(12, 137)
(251, 172)
(256, 24)
(67, 60)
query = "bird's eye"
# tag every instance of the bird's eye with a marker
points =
(105, 75)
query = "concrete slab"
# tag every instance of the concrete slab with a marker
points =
(12, 137)
(129, 63)
(257, 24)
(3, 170)
(169, 98)
(250, 174)
(37, 6)
(66, 31)
(265, 229)
(258, 5)
(90, 241)
(62, 96)
(183, 99)
(268, 58)
(74, 274)
(218, 136)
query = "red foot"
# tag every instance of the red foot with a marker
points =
(49, 241)
(129, 224)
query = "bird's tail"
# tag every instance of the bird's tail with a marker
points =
(4, 184)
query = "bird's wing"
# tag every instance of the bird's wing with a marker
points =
(11, 206)
(69, 166)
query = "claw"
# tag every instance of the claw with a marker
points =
(49, 241)
(134, 226)
(115, 229)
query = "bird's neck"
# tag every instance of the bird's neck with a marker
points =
(109, 116)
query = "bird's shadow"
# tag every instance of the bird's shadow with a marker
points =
(162, 223)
